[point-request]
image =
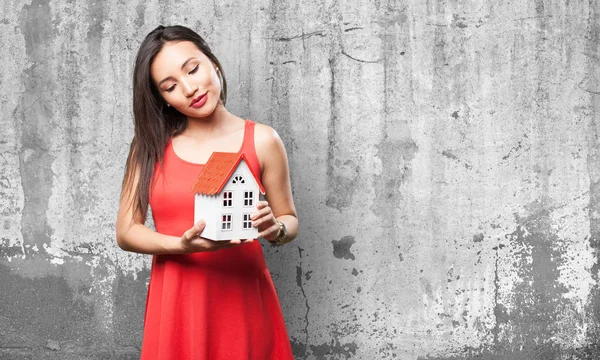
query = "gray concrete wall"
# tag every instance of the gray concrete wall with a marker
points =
(444, 156)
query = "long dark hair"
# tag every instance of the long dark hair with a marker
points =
(154, 121)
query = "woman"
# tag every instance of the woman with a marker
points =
(206, 299)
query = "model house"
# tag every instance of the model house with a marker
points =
(226, 193)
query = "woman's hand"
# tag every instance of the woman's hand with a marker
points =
(192, 242)
(265, 221)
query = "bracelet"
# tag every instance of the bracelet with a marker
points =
(280, 240)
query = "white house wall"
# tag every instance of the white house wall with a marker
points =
(205, 207)
(210, 208)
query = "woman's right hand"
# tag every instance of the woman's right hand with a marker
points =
(192, 242)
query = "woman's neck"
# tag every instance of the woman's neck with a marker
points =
(218, 121)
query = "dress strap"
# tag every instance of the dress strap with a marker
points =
(249, 150)
(248, 142)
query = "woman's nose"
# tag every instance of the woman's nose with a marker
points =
(188, 89)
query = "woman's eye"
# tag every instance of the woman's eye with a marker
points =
(170, 89)
(194, 69)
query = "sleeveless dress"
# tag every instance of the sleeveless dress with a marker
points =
(208, 305)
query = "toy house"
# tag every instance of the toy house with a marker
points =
(226, 194)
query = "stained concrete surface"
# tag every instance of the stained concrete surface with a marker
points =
(444, 160)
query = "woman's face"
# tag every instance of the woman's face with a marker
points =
(186, 78)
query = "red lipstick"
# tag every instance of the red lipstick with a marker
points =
(199, 101)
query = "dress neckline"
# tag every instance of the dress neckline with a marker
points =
(170, 144)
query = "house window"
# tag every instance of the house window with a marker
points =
(227, 199)
(239, 179)
(248, 198)
(247, 222)
(226, 223)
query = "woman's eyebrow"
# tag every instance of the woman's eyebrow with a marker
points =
(182, 66)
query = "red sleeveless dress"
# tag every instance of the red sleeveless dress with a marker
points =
(208, 305)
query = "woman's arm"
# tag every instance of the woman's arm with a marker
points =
(133, 235)
(276, 181)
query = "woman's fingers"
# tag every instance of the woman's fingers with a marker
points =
(265, 210)
(203, 244)
(265, 219)
(193, 242)
(263, 215)
(273, 229)
(236, 242)
(195, 231)
(261, 204)
(227, 244)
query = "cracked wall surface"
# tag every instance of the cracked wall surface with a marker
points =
(444, 162)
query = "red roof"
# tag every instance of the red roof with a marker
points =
(217, 170)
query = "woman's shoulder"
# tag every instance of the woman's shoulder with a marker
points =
(265, 137)
(267, 143)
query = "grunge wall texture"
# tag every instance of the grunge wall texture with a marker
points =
(445, 160)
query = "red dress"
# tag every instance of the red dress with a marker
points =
(208, 305)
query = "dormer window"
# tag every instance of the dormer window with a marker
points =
(239, 179)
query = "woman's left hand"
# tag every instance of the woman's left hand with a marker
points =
(265, 221)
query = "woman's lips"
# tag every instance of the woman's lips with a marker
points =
(199, 101)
